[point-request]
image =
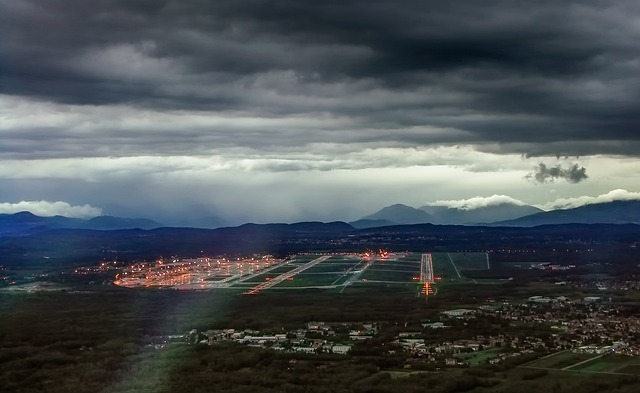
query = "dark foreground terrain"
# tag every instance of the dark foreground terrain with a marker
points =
(98, 341)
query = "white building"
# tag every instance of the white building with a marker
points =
(458, 312)
(341, 349)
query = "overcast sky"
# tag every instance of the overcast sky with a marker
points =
(314, 110)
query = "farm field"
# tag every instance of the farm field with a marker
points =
(560, 360)
(610, 364)
(588, 363)
(480, 357)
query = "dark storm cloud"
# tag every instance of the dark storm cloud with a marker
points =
(538, 78)
(572, 174)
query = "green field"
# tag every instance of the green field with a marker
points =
(337, 259)
(469, 261)
(302, 259)
(611, 364)
(394, 265)
(572, 362)
(560, 360)
(282, 269)
(309, 280)
(479, 357)
(375, 274)
(260, 278)
(568, 361)
(331, 267)
(442, 267)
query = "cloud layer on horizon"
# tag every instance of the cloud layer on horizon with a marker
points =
(49, 209)
(477, 202)
(558, 204)
(611, 196)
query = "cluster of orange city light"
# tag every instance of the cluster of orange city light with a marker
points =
(196, 271)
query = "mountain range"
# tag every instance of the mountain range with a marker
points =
(26, 222)
(615, 212)
(504, 214)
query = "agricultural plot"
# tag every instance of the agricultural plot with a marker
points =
(588, 363)
(560, 360)
(480, 357)
(610, 364)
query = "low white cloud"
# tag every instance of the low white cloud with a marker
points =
(48, 209)
(477, 202)
(613, 195)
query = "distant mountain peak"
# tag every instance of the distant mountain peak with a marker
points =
(24, 214)
(399, 214)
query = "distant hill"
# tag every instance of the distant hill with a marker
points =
(26, 222)
(204, 221)
(111, 223)
(397, 214)
(295, 229)
(616, 212)
(365, 223)
(480, 215)
(68, 247)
